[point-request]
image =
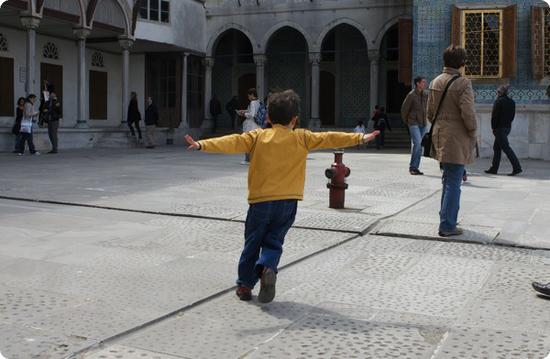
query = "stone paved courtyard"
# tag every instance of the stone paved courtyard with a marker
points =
(132, 254)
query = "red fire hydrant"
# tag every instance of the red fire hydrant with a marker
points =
(337, 174)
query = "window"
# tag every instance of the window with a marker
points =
(50, 51)
(540, 42)
(481, 32)
(97, 59)
(155, 10)
(3, 43)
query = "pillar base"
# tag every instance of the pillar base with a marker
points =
(123, 125)
(82, 125)
(314, 124)
(207, 125)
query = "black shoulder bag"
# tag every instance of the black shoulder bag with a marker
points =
(427, 140)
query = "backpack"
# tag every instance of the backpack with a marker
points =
(261, 115)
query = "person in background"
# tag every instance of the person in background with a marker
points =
(504, 111)
(29, 117)
(381, 122)
(151, 123)
(134, 116)
(215, 111)
(360, 127)
(52, 114)
(231, 107)
(16, 129)
(413, 114)
(249, 114)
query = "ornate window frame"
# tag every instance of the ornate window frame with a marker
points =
(98, 60)
(50, 51)
(3, 43)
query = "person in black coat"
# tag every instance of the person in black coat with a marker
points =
(134, 116)
(51, 112)
(504, 111)
(231, 107)
(15, 130)
(151, 123)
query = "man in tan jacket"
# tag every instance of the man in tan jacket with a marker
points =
(413, 113)
(454, 134)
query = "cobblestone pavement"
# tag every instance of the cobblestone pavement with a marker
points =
(132, 254)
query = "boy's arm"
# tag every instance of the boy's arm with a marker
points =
(327, 140)
(231, 144)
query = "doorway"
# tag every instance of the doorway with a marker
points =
(163, 85)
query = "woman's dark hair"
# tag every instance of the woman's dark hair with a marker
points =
(454, 57)
(283, 107)
(20, 99)
(253, 92)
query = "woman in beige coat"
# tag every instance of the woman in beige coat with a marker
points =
(454, 134)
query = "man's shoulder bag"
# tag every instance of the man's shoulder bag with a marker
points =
(427, 140)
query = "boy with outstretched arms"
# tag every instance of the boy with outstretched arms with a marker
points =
(275, 185)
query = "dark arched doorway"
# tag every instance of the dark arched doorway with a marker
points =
(344, 53)
(287, 66)
(233, 62)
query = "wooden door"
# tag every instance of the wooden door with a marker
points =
(7, 105)
(327, 99)
(54, 75)
(163, 85)
(98, 95)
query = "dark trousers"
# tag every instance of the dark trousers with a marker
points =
(502, 145)
(267, 224)
(131, 126)
(381, 138)
(26, 137)
(53, 125)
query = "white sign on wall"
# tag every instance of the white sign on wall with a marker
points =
(22, 79)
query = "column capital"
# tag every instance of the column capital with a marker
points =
(125, 42)
(185, 54)
(208, 62)
(374, 55)
(260, 59)
(315, 58)
(30, 22)
(81, 33)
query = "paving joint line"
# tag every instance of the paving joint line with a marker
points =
(111, 340)
(162, 213)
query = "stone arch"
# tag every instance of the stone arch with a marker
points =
(333, 24)
(279, 26)
(218, 33)
(122, 5)
(388, 25)
(41, 4)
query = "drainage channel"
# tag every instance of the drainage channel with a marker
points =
(114, 338)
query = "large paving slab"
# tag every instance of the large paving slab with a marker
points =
(374, 297)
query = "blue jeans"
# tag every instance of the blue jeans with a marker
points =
(450, 197)
(267, 224)
(417, 133)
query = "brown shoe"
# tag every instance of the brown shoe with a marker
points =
(267, 286)
(244, 293)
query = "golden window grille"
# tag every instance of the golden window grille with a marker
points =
(482, 40)
(546, 35)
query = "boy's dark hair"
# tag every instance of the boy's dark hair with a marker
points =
(454, 57)
(253, 92)
(418, 80)
(31, 96)
(283, 106)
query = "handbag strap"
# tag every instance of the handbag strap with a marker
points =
(442, 98)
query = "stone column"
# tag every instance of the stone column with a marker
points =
(315, 59)
(207, 124)
(260, 75)
(82, 117)
(374, 58)
(31, 24)
(125, 43)
(184, 119)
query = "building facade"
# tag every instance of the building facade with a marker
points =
(343, 57)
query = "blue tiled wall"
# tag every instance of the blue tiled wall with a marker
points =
(432, 34)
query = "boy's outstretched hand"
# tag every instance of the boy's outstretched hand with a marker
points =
(193, 145)
(370, 136)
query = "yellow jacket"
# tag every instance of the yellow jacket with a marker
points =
(278, 158)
